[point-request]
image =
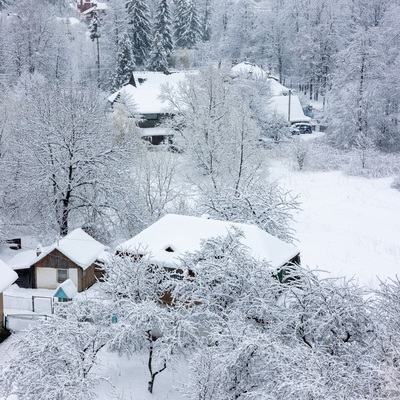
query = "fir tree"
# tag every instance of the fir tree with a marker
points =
(186, 24)
(140, 29)
(158, 60)
(162, 26)
(205, 28)
(125, 62)
(3, 4)
(179, 23)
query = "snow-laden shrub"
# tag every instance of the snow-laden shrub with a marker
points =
(396, 183)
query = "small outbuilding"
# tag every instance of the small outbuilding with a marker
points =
(76, 256)
(66, 291)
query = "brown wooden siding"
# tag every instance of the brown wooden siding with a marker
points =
(56, 260)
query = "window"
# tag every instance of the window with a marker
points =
(62, 275)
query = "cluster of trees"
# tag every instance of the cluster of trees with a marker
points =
(243, 332)
(49, 66)
(139, 35)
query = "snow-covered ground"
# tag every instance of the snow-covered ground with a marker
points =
(348, 226)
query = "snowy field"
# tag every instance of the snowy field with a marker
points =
(348, 226)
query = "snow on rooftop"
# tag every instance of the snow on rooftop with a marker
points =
(68, 287)
(78, 246)
(156, 131)
(146, 95)
(182, 234)
(276, 88)
(7, 276)
(25, 259)
(256, 72)
(280, 105)
(249, 69)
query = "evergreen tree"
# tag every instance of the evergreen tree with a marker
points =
(95, 35)
(158, 60)
(140, 29)
(125, 62)
(205, 27)
(162, 26)
(3, 4)
(186, 24)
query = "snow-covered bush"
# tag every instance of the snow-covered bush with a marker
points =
(396, 183)
(300, 151)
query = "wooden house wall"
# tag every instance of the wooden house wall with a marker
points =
(57, 260)
(86, 277)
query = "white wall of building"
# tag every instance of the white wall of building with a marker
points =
(46, 278)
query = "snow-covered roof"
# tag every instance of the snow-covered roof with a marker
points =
(249, 69)
(67, 289)
(156, 131)
(96, 6)
(280, 105)
(78, 246)
(7, 276)
(25, 259)
(146, 95)
(184, 234)
(276, 88)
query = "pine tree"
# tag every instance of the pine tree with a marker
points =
(140, 29)
(125, 62)
(187, 24)
(162, 26)
(158, 60)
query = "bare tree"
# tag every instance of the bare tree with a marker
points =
(64, 160)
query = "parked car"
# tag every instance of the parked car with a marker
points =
(300, 128)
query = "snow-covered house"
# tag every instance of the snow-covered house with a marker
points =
(166, 241)
(141, 95)
(282, 102)
(76, 256)
(66, 291)
(289, 107)
(252, 71)
(88, 8)
(7, 278)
